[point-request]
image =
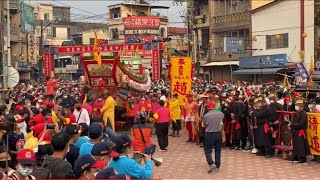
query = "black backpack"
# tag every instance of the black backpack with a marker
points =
(45, 172)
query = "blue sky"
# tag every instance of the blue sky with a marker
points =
(97, 9)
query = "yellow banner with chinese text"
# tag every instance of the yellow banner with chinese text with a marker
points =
(181, 77)
(313, 132)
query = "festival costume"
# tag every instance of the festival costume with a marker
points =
(203, 109)
(299, 125)
(175, 113)
(263, 117)
(108, 111)
(191, 117)
(97, 105)
(239, 111)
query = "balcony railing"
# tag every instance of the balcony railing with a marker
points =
(14, 4)
(230, 21)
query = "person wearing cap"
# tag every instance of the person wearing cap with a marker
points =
(73, 132)
(95, 135)
(102, 152)
(263, 117)
(87, 167)
(108, 110)
(56, 164)
(213, 123)
(26, 160)
(109, 173)
(124, 164)
(299, 125)
(175, 113)
(84, 128)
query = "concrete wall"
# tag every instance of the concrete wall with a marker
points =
(281, 18)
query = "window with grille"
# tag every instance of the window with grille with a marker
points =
(274, 43)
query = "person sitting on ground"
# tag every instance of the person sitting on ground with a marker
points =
(125, 164)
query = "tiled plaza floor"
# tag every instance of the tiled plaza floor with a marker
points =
(187, 161)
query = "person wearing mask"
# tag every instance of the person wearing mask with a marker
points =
(162, 115)
(124, 164)
(51, 86)
(239, 121)
(26, 161)
(109, 173)
(175, 112)
(163, 96)
(14, 137)
(72, 131)
(95, 135)
(213, 123)
(66, 116)
(86, 167)
(56, 164)
(81, 114)
(108, 111)
(102, 152)
(83, 135)
(190, 114)
(131, 112)
(142, 128)
(299, 126)
(263, 117)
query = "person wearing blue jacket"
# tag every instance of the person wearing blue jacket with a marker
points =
(125, 164)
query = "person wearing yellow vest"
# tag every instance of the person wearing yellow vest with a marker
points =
(175, 113)
(108, 110)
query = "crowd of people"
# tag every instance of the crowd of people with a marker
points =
(67, 131)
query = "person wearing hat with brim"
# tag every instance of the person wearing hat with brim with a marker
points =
(124, 164)
(109, 173)
(213, 123)
(26, 161)
(203, 109)
(263, 117)
(102, 151)
(87, 167)
(299, 125)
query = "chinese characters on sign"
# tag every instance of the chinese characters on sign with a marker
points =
(312, 132)
(155, 62)
(106, 48)
(27, 18)
(181, 76)
(141, 22)
(47, 65)
(302, 71)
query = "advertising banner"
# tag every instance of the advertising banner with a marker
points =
(181, 76)
(264, 61)
(302, 71)
(46, 65)
(313, 133)
(27, 18)
(141, 22)
(104, 48)
(155, 62)
(233, 44)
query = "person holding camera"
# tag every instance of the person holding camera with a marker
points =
(65, 115)
(124, 164)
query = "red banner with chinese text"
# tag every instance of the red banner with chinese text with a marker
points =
(104, 48)
(313, 133)
(47, 66)
(141, 22)
(181, 76)
(155, 62)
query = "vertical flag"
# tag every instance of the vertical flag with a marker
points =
(310, 81)
(96, 50)
(285, 83)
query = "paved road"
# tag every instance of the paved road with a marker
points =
(187, 161)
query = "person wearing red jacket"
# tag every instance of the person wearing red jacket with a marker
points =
(51, 86)
(190, 115)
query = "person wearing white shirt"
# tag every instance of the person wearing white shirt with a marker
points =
(81, 114)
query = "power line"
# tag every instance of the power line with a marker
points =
(74, 7)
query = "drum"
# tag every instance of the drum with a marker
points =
(286, 135)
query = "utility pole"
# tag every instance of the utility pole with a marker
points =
(20, 30)
(40, 61)
(8, 47)
(2, 20)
